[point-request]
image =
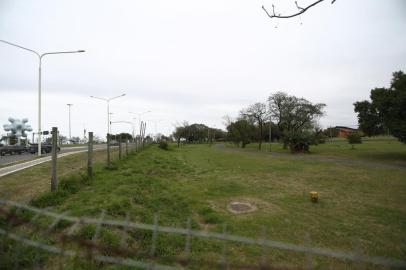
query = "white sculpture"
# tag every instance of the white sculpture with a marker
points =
(17, 127)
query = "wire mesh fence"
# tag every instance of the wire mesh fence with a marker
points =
(68, 238)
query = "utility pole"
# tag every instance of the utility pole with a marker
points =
(70, 134)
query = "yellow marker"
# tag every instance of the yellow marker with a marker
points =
(314, 196)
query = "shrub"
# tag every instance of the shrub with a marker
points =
(49, 199)
(299, 142)
(67, 186)
(354, 138)
(163, 145)
(70, 184)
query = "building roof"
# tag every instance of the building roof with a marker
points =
(342, 127)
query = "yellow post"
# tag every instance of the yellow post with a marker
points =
(314, 196)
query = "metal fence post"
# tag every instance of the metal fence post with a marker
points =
(90, 156)
(54, 180)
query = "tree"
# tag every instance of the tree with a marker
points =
(180, 132)
(368, 118)
(354, 138)
(386, 109)
(240, 132)
(295, 117)
(196, 133)
(258, 114)
(300, 11)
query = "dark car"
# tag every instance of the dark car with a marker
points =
(45, 148)
(12, 149)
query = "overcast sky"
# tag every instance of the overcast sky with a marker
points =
(192, 60)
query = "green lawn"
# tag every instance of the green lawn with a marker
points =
(357, 202)
(380, 149)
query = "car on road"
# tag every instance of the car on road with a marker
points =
(45, 148)
(12, 149)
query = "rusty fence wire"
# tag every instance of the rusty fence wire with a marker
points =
(16, 223)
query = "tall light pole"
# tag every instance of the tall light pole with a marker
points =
(70, 134)
(40, 56)
(110, 118)
(108, 108)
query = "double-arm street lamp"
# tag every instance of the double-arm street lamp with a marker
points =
(108, 108)
(40, 56)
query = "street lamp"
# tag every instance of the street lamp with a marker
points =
(108, 108)
(70, 134)
(110, 118)
(39, 82)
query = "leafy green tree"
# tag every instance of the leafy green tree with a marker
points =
(275, 132)
(180, 132)
(386, 109)
(241, 132)
(295, 118)
(123, 136)
(369, 120)
(258, 114)
(196, 133)
(163, 145)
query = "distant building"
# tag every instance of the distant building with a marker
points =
(344, 131)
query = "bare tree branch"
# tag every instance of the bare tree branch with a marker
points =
(301, 10)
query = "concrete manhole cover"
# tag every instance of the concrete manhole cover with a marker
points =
(241, 207)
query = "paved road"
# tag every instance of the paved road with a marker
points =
(10, 159)
(17, 167)
(32, 160)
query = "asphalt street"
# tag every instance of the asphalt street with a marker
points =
(24, 161)
(10, 159)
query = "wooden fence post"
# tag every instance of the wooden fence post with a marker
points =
(126, 147)
(54, 180)
(90, 156)
(120, 150)
(108, 150)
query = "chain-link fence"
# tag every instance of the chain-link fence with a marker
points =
(62, 235)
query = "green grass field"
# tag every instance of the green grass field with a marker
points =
(381, 149)
(358, 201)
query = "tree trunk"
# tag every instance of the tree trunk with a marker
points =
(260, 137)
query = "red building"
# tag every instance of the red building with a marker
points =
(344, 131)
